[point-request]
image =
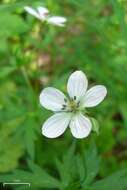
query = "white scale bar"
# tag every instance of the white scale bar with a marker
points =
(16, 183)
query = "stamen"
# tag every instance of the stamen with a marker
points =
(65, 100)
(78, 103)
(74, 97)
(63, 107)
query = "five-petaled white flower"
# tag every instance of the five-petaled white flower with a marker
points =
(42, 14)
(68, 110)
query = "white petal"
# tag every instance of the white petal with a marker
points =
(80, 126)
(56, 125)
(57, 20)
(94, 96)
(43, 12)
(32, 11)
(52, 99)
(77, 85)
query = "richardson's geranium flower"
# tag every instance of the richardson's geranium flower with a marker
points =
(42, 14)
(68, 111)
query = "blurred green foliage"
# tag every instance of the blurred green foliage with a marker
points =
(34, 55)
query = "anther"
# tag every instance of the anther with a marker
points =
(65, 100)
(74, 97)
(78, 103)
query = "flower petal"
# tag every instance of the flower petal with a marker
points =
(57, 20)
(94, 96)
(77, 85)
(56, 125)
(52, 99)
(80, 126)
(43, 12)
(32, 11)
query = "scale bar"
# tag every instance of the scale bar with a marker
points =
(16, 183)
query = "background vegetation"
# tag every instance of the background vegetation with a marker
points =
(34, 55)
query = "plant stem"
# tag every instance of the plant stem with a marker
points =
(28, 82)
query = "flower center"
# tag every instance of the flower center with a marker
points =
(71, 105)
(74, 105)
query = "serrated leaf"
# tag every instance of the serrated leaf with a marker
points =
(30, 137)
(67, 168)
(117, 181)
(92, 163)
(80, 167)
(37, 178)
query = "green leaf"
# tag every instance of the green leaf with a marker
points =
(38, 177)
(3, 45)
(30, 137)
(117, 181)
(8, 158)
(11, 151)
(92, 163)
(95, 125)
(5, 71)
(11, 24)
(80, 167)
(67, 168)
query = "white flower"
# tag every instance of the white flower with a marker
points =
(68, 110)
(42, 14)
(57, 20)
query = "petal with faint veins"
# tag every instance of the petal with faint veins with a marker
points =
(94, 96)
(56, 125)
(52, 99)
(32, 11)
(80, 126)
(57, 20)
(77, 85)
